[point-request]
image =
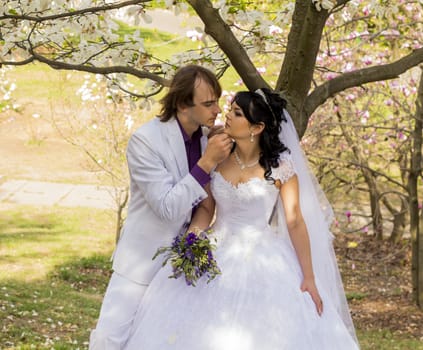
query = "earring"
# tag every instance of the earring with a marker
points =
(252, 137)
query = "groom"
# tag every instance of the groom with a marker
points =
(169, 165)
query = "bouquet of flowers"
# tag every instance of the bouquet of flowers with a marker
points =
(191, 256)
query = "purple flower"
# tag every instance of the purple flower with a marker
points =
(348, 215)
(191, 238)
(191, 257)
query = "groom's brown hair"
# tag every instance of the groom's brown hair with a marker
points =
(181, 90)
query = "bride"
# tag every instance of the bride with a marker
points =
(279, 286)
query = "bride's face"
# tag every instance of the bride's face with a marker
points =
(237, 126)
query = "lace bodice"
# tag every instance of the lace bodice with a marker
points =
(250, 203)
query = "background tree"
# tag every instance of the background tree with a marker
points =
(416, 223)
(313, 50)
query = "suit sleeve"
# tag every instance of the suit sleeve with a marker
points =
(168, 200)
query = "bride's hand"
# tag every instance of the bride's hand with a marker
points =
(309, 286)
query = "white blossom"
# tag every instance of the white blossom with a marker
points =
(324, 4)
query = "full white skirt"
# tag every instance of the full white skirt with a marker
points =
(255, 304)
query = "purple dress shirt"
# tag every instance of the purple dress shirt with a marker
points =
(193, 149)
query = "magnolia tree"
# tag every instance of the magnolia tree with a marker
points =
(99, 124)
(329, 58)
(370, 134)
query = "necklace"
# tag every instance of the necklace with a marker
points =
(241, 164)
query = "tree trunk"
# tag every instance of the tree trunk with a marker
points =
(420, 262)
(298, 66)
(400, 222)
(374, 194)
(416, 223)
(119, 213)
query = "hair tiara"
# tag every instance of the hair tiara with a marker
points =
(261, 93)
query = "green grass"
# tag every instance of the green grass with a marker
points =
(37, 81)
(355, 295)
(386, 340)
(55, 265)
(35, 240)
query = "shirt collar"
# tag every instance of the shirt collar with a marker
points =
(197, 133)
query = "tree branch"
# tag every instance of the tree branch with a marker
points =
(17, 63)
(101, 70)
(360, 77)
(115, 6)
(220, 31)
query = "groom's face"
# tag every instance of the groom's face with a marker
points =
(206, 104)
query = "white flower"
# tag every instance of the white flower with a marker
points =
(324, 4)
(128, 121)
(194, 35)
(274, 30)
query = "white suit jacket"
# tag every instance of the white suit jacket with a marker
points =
(162, 195)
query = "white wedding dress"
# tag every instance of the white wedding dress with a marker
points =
(256, 303)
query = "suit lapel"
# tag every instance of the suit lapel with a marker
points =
(204, 139)
(176, 145)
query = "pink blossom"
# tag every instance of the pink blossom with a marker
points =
(348, 67)
(365, 229)
(367, 60)
(372, 140)
(401, 136)
(366, 11)
(348, 215)
(394, 84)
(274, 30)
(353, 35)
(416, 45)
(330, 75)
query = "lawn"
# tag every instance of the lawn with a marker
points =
(54, 266)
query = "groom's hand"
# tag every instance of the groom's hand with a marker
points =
(217, 150)
(215, 129)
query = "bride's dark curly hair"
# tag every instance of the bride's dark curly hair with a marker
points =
(265, 107)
